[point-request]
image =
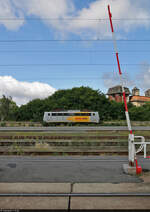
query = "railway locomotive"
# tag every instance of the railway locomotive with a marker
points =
(71, 116)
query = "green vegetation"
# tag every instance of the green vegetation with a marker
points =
(87, 143)
(83, 98)
(36, 135)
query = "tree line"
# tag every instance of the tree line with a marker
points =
(82, 98)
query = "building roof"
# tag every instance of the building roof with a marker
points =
(147, 90)
(117, 90)
(139, 99)
(135, 89)
(147, 93)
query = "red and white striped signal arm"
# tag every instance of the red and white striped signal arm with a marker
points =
(120, 72)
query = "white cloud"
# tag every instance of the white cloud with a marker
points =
(140, 80)
(112, 79)
(119, 8)
(146, 78)
(61, 9)
(23, 92)
(8, 11)
(143, 78)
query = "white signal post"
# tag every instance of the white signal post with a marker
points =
(131, 135)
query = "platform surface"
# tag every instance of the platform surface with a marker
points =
(106, 169)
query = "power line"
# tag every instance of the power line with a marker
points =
(71, 51)
(71, 64)
(68, 78)
(75, 40)
(72, 19)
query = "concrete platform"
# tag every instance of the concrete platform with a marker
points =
(77, 175)
(76, 202)
(116, 203)
(129, 169)
(35, 188)
(34, 202)
(55, 203)
(89, 203)
(111, 188)
(102, 169)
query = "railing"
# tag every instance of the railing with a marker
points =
(132, 147)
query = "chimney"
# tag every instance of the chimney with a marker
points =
(135, 92)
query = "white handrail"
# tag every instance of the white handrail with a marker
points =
(142, 144)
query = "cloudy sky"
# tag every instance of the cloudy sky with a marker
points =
(46, 45)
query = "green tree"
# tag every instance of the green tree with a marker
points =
(7, 108)
(140, 113)
(82, 98)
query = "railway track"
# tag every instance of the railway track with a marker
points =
(64, 144)
(64, 147)
(71, 129)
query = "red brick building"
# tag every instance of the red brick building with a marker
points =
(138, 100)
(115, 93)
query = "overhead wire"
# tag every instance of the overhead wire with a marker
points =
(71, 64)
(70, 40)
(73, 40)
(73, 19)
(71, 51)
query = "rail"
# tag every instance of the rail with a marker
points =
(75, 195)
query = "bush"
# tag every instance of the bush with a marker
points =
(3, 124)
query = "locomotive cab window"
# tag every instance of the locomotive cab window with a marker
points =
(49, 114)
(71, 114)
(65, 114)
(54, 114)
(78, 114)
(87, 114)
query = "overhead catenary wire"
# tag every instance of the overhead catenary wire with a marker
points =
(72, 19)
(71, 51)
(71, 64)
(65, 79)
(72, 40)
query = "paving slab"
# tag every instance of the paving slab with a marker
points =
(98, 203)
(34, 202)
(112, 202)
(111, 188)
(35, 187)
(54, 203)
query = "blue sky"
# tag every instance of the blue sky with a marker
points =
(136, 26)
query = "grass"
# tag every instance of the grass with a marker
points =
(103, 123)
(78, 134)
